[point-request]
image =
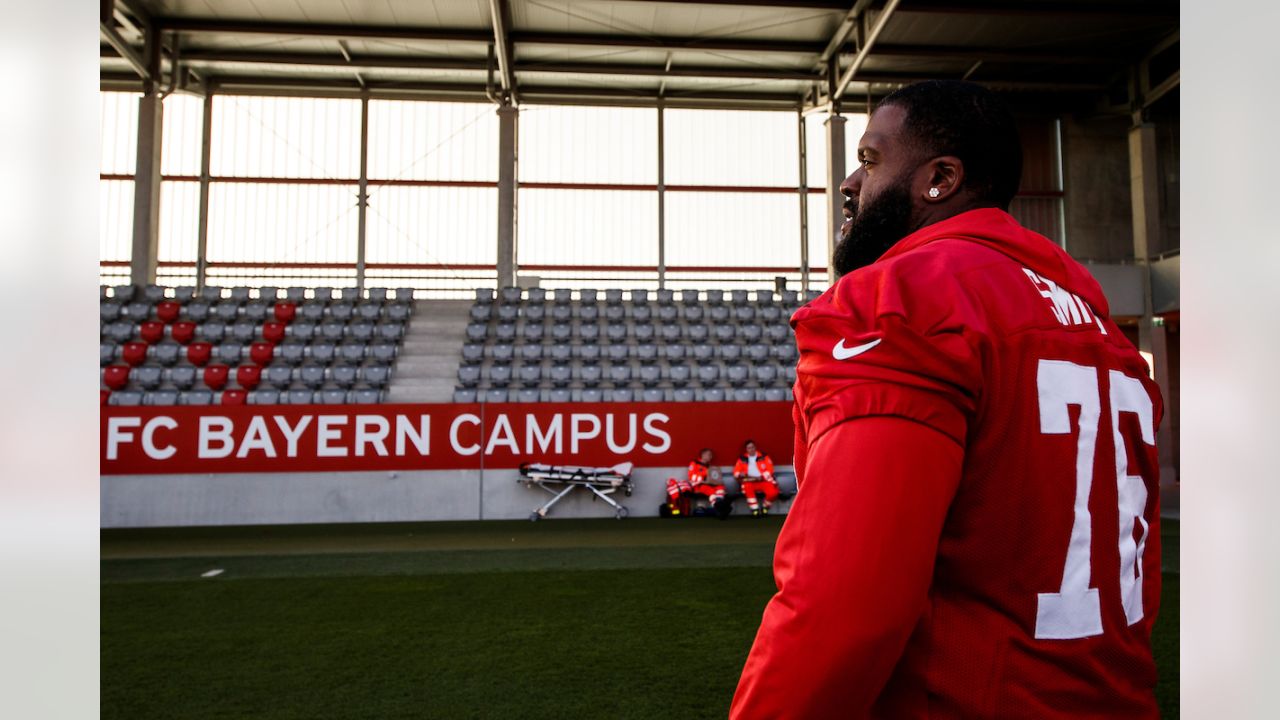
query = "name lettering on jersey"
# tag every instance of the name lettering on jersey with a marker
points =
(1067, 307)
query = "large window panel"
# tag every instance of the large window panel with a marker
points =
(183, 135)
(589, 145)
(179, 221)
(731, 147)
(410, 140)
(286, 137)
(588, 227)
(115, 220)
(267, 223)
(817, 232)
(433, 226)
(733, 229)
(119, 128)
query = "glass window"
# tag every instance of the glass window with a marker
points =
(588, 227)
(115, 219)
(179, 221)
(286, 137)
(431, 141)
(119, 117)
(432, 226)
(731, 147)
(183, 135)
(278, 223)
(589, 145)
(733, 229)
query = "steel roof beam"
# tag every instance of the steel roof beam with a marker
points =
(843, 31)
(992, 54)
(865, 50)
(502, 45)
(1096, 9)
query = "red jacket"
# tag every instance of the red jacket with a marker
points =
(763, 463)
(977, 528)
(697, 473)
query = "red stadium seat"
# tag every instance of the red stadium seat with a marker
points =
(168, 310)
(247, 376)
(234, 397)
(134, 353)
(198, 353)
(152, 331)
(262, 352)
(273, 332)
(183, 331)
(215, 376)
(103, 397)
(285, 312)
(115, 376)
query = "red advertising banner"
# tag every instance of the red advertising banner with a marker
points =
(456, 436)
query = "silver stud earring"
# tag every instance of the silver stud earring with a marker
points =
(933, 192)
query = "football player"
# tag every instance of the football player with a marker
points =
(976, 532)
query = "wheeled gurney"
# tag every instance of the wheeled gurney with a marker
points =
(601, 481)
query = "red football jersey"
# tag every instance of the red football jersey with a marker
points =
(1041, 577)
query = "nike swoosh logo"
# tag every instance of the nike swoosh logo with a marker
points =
(840, 352)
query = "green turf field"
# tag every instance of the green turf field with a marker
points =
(562, 619)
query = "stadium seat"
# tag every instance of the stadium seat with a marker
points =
(559, 395)
(589, 352)
(195, 397)
(620, 374)
(233, 397)
(674, 352)
(213, 331)
(121, 331)
(301, 331)
(116, 377)
(109, 312)
(199, 353)
(777, 333)
(592, 395)
(682, 395)
(708, 374)
(560, 375)
(106, 353)
(501, 352)
(669, 332)
(469, 375)
(643, 333)
(291, 353)
(230, 353)
(322, 295)
(562, 296)
(653, 395)
(722, 333)
(623, 395)
(528, 395)
(323, 352)
(240, 295)
(719, 314)
(703, 353)
(561, 313)
(472, 353)
(736, 374)
(616, 353)
(743, 394)
(647, 352)
(509, 295)
(774, 394)
(226, 311)
(531, 333)
(531, 353)
(344, 376)
(361, 331)
(506, 332)
(613, 296)
(311, 375)
(588, 296)
(369, 311)
(160, 397)
(349, 295)
(589, 332)
(713, 395)
(696, 333)
(332, 331)
(376, 375)
(476, 332)
(279, 376)
(168, 311)
(333, 396)
(268, 294)
(590, 313)
(403, 297)
(481, 313)
(273, 332)
(365, 396)
(757, 353)
(535, 295)
(560, 353)
(498, 374)
(678, 374)
(182, 377)
(248, 376)
(614, 313)
(243, 332)
(764, 297)
(668, 313)
(715, 297)
(738, 297)
(296, 295)
(151, 331)
(789, 374)
(534, 313)
(266, 396)
(311, 312)
(299, 397)
(183, 331)
(484, 296)
(785, 353)
(383, 352)
(464, 395)
(616, 333)
(508, 313)
(134, 353)
(769, 314)
(495, 395)
(665, 296)
(125, 397)
(650, 374)
(153, 294)
(261, 353)
(147, 377)
(590, 374)
(749, 333)
(729, 353)
(744, 313)
(123, 293)
(215, 376)
(397, 313)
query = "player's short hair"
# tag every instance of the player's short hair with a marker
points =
(952, 117)
(706, 450)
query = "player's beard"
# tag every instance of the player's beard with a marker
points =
(875, 228)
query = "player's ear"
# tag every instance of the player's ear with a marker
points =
(945, 175)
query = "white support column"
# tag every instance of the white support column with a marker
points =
(835, 175)
(803, 147)
(146, 190)
(202, 230)
(662, 201)
(508, 116)
(363, 207)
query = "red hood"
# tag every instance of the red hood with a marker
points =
(998, 230)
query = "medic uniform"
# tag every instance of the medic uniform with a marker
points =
(755, 473)
(696, 484)
(996, 553)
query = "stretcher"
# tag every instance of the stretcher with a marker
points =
(560, 480)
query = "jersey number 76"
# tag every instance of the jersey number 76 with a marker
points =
(1075, 611)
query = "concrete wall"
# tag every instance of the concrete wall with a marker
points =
(294, 498)
(1122, 284)
(1099, 217)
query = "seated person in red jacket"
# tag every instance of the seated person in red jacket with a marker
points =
(702, 481)
(754, 470)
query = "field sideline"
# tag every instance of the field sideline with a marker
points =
(569, 618)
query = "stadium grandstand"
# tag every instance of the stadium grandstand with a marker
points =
(366, 262)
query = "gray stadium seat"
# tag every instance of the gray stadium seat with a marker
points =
(530, 374)
(617, 353)
(296, 295)
(226, 311)
(109, 311)
(397, 313)
(214, 331)
(182, 377)
(469, 375)
(682, 395)
(729, 353)
(153, 294)
(592, 395)
(531, 353)
(322, 295)
(616, 333)
(562, 296)
(501, 352)
(147, 377)
(390, 331)
(614, 313)
(650, 374)
(138, 311)
(560, 374)
(472, 353)
(675, 352)
(785, 353)
(476, 332)
(244, 332)
(749, 333)
(360, 330)
(510, 295)
(757, 353)
(624, 395)
(708, 374)
(653, 395)
(769, 314)
(643, 333)
(311, 375)
(561, 332)
(352, 352)
(590, 374)
(678, 374)
(561, 353)
(713, 395)
(743, 394)
(299, 397)
(559, 395)
(229, 353)
(484, 296)
(695, 333)
(665, 296)
(613, 296)
(715, 297)
(106, 353)
(505, 332)
(403, 296)
(323, 352)
(774, 394)
(689, 297)
(332, 331)
(123, 293)
(240, 295)
(264, 396)
(195, 397)
(669, 332)
(693, 313)
(464, 395)
(589, 352)
(376, 375)
(196, 311)
(278, 376)
(590, 331)
(311, 312)
(561, 313)
(764, 297)
(344, 376)
(534, 313)
(738, 297)
(589, 313)
(736, 374)
(639, 297)
(647, 352)
(587, 296)
(383, 352)
(160, 397)
(498, 374)
(291, 353)
(702, 353)
(332, 396)
(508, 313)
(255, 311)
(535, 295)
(302, 331)
(789, 374)
(722, 333)
(349, 294)
(744, 313)
(376, 296)
(668, 313)
(641, 313)
(364, 396)
(620, 374)
(495, 395)
(790, 298)
(777, 333)
(481, 313)
(528, 395)
(125, 397)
